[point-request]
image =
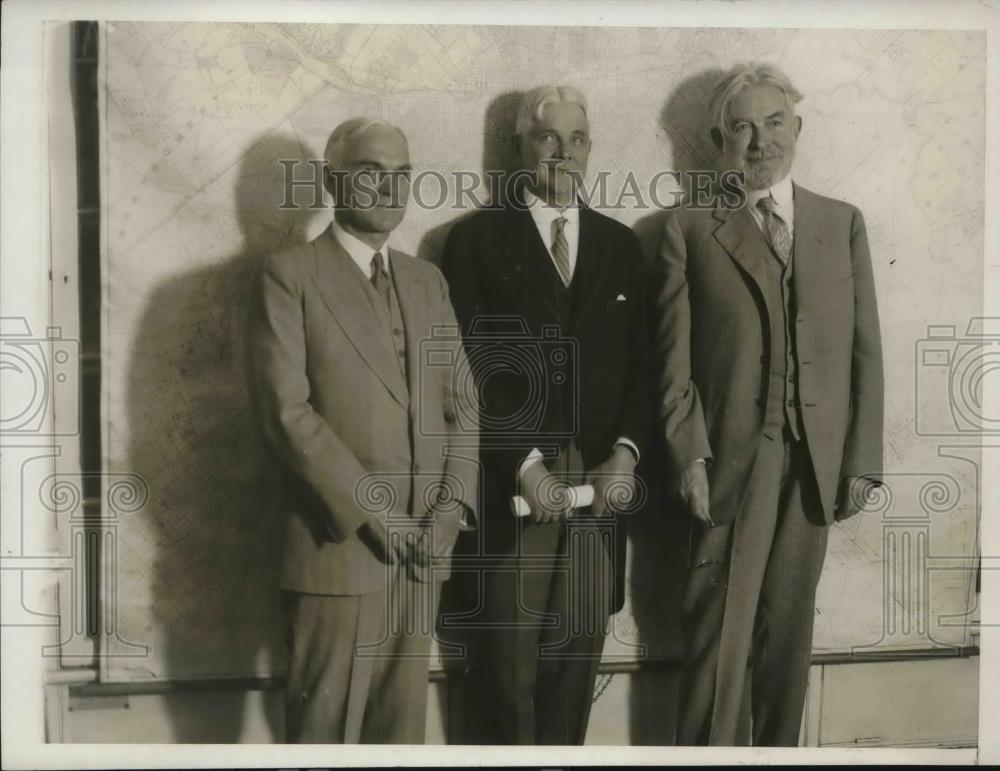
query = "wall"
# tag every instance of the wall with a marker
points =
(197, 116)
(861, 704)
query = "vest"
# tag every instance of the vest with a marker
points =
(391, 325)
(390, 321)
(562, 387)
(783, 407)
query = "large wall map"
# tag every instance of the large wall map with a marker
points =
(197, 117)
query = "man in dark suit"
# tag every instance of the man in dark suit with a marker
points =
(550, 297)
(375, 450)
(771, 407)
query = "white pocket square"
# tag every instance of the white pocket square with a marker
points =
(620, 298)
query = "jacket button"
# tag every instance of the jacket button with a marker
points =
(397, 332)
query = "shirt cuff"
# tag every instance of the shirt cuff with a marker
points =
(463, 520)
(533, 457)
(621, 440)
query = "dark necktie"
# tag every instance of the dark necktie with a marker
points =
(560, 250)
(379, 278)
(777, 229)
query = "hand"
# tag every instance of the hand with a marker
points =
(376, 536)
(614, 482)
(438, 533)
(854, 493)
(547, 497)
(692, 487)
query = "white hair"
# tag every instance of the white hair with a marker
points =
(348, 130)
(534, 102)
(743, 76)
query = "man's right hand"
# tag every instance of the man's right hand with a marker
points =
(376, 536)
(692, 487)
(547, 497)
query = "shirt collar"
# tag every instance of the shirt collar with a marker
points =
(545, 214)
(360, 253)
(780, 191)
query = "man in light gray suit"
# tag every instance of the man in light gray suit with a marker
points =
(375, 448)
(771, 408)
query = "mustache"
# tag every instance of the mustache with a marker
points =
(764, 154)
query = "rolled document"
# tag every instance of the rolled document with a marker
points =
(579, 497)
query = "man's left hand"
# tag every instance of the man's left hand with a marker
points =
(438, 531)
(854, 493)
(614, 482)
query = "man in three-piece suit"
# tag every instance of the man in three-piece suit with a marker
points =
(550, 297)
(771, 406)
(375, 450)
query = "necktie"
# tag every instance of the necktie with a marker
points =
(560, 249)
(379, 278)
(777, 230)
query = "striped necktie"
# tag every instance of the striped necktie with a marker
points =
(777, 229)
(560, 250)
(379, 278)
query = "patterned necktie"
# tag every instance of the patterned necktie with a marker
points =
(777, 230)
(379, 278)
(560, 249)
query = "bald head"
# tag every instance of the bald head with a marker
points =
(368, 167)
(346, 135)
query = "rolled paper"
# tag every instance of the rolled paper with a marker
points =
(579, 497)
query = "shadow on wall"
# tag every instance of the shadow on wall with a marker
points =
(460, 595)
(215, 593)
(686, 121)
(498, 155)
(659, 534)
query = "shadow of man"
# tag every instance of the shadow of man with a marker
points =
(215, 595)
(659, 534)
(461, 596)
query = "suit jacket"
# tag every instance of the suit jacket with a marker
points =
(505, 288)
(712, 332)
(347, 438)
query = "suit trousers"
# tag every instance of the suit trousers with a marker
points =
(358, 664)
(750, 597)
(542, 628)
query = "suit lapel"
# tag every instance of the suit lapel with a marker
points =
(739, 235)
(413, 304)
(339, 284)
(811, 271)
(591, 262)
(524, 248)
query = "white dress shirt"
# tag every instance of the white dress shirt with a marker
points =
(361, 254)
(544, 215)
(784, 205)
